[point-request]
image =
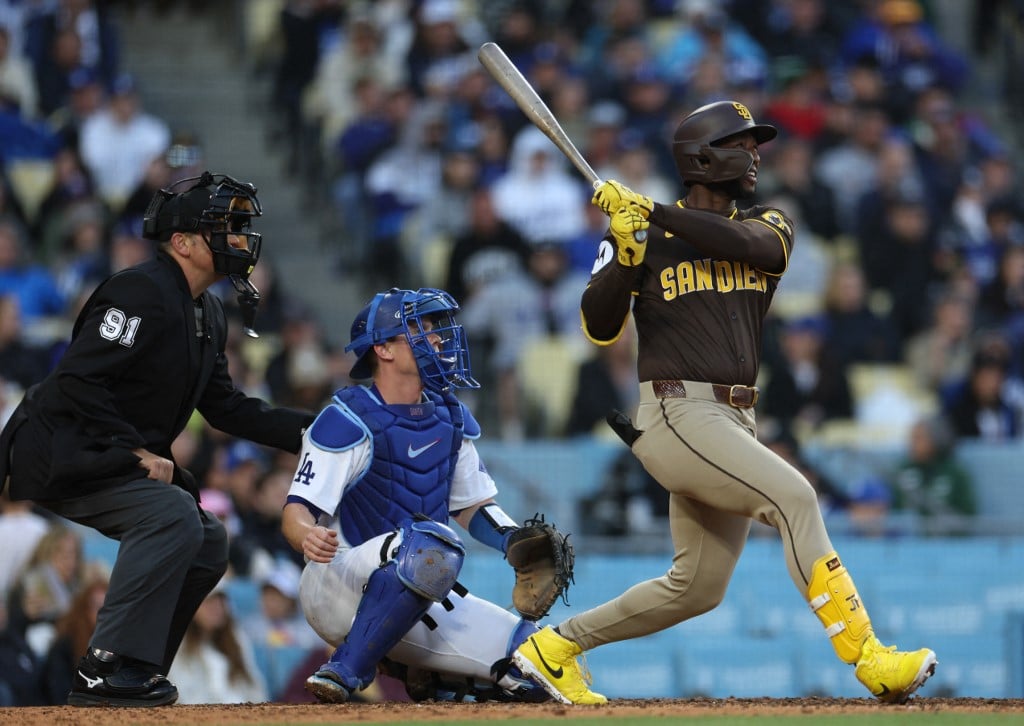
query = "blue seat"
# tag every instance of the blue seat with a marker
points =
(278, 663)
(995, 468)
(819, 672)
(641, 668)
(1015, 655)
(1003, 593)
(95, 546)
(488, 576)
(929, 606)
(724, 667)
(771, 606)
(243, 595)
(974, 666)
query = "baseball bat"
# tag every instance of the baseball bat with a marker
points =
(504, 71)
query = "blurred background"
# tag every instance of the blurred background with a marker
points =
(893, 366)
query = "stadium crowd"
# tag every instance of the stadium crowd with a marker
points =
(894, 159)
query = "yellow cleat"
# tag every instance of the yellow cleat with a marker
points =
(893, 675)
(549, 660)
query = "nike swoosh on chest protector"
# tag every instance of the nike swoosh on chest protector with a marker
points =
(413, 453)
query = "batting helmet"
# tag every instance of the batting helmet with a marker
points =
(693, 146)
(401, 313)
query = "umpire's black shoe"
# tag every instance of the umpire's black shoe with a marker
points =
(106, 679)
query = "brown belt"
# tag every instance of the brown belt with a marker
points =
(735, 396)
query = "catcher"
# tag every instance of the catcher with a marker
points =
(381, 471)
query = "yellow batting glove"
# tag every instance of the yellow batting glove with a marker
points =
(612, 196)
(629, 230)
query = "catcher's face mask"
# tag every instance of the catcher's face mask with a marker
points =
(426, 319)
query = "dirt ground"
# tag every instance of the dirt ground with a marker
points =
(429, 711)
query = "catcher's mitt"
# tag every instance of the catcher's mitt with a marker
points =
(543, 560)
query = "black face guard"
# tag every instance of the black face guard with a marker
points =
(227, 212)
(232, 208)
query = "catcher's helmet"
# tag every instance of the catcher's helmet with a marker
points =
(215, 206)
(693, 146)
(389, 314)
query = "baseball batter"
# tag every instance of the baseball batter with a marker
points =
(381, 470)
(699, 286)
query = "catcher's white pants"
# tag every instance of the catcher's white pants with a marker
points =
(466, 641)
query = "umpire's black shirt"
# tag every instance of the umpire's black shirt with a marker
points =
(140, 361)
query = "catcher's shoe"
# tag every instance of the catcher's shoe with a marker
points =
(105, 679)
(549, 660)
(893, 675)
(329, 685)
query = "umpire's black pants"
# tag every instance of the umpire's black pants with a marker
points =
(171, 556)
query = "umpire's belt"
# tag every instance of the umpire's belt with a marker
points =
(735, 396)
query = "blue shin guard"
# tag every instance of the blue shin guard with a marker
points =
(387, 611)
(396, 596)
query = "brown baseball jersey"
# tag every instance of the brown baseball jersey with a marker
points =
(698, 300)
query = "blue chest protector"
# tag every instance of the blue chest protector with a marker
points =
(414, 452)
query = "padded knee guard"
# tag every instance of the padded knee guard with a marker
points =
(835, 600)
(429, 559)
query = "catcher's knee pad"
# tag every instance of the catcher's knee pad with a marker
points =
(429, 558)
(834, 599)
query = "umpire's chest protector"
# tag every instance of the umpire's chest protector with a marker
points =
(414, 452)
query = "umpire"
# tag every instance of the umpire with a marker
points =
(92, 442)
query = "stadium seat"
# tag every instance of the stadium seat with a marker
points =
(973, 666)
(30, 181)
(771, 606)
(887, 398)
(95, 546)
(819, 672)
(244, 595)
(723, 667)
(261, 27)
(641, 668)
(1015, 655)
(547, 370)
(277, 664)
(903, 599)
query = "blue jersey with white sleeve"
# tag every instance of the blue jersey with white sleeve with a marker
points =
(373, 465)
